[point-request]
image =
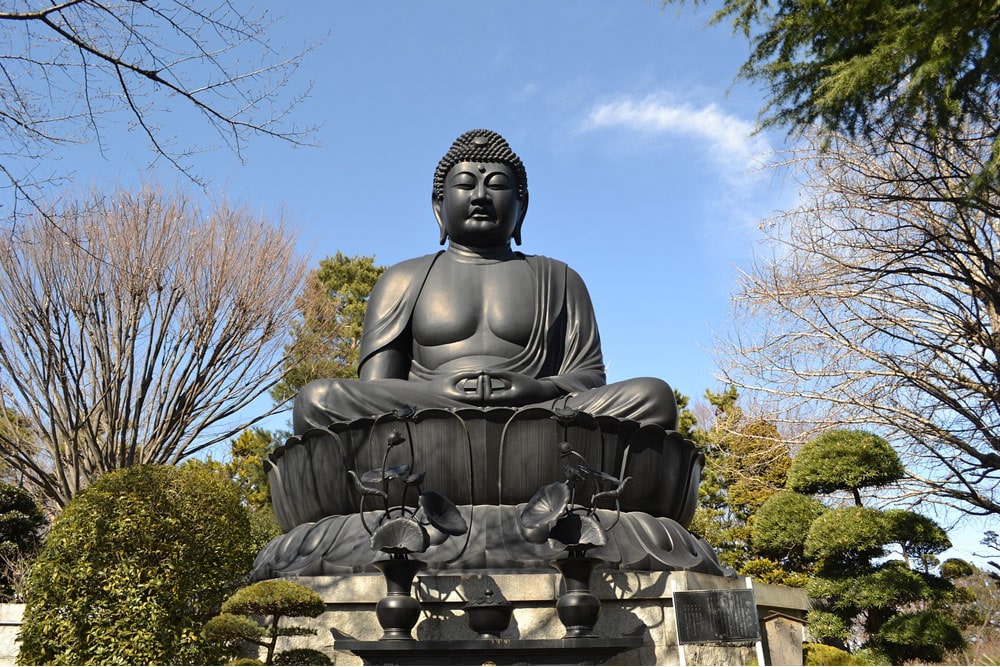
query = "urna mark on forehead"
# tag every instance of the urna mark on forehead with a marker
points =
(480, 146)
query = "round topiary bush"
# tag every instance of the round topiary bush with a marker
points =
(782, 523)
(842, 460)
(134, 566)
(271, 601)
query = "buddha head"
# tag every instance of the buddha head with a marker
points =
(480, 191)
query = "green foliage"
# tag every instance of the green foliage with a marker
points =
(21, 522)
(302, 656)
(769, 571)
(134, 566)
(275, 597)
(847, 536)
(245, 467)
(228, 628)
(782, 524)
(746, 462)
(326, 337)
(271, 600)
(686, 421)
(827, 626)
(841, 460)
(922, 635)
(851, 586)
(955, 568)
(879, 590)
(247, 453)
(821, 654)
(916, 534)
(858, 65)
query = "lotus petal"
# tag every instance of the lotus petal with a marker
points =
(395, 438)
(579, 531)
(546, 506)
(400, 536)
(442, 513)
(416, 478)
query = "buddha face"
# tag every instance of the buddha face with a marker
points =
(480, 207)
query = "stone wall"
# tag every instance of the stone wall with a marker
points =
(10, 626)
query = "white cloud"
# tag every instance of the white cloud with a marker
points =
(729, 139)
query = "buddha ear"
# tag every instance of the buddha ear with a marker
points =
(438, 204)
(520, 219)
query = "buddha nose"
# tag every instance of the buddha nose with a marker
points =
(480, 191)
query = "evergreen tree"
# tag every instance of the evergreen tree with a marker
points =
(859, 65)
(245, 468)
(746, 463)
(326, 336)
(886, 609)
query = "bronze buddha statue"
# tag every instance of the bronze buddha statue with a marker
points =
(479, 323)
(489, 361)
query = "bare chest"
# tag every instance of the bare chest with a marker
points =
(482, 308)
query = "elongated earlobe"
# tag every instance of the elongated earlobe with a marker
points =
(520, 219)
(436, 204)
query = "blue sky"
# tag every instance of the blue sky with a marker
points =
(643, 170)
(637, 144)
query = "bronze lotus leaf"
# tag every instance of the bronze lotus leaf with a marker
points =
(442, 513)
(579, 532)
(546, 506)
(366, 490)
(400, 536)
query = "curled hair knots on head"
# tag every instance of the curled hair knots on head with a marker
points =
(480, 146)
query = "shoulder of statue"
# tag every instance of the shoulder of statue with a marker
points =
(549, 263)
(400, 278)
(408, 270)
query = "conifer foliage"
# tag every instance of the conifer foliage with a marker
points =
(886, 609)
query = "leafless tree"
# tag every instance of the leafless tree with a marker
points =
(136, 332)
(69, 69)
(877, 305)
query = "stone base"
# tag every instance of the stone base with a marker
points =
(632, 604)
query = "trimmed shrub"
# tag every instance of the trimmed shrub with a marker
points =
(923, 635)
(782, 523)
(302, 656)
(821, 654)
(134, 567)
(271, 601)
(843, 460)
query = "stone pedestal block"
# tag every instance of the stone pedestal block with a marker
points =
(632, 604)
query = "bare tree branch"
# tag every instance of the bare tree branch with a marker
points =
(878, 305)
(71, 68)
(137, 334)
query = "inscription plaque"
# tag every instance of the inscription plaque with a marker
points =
(706, 617)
